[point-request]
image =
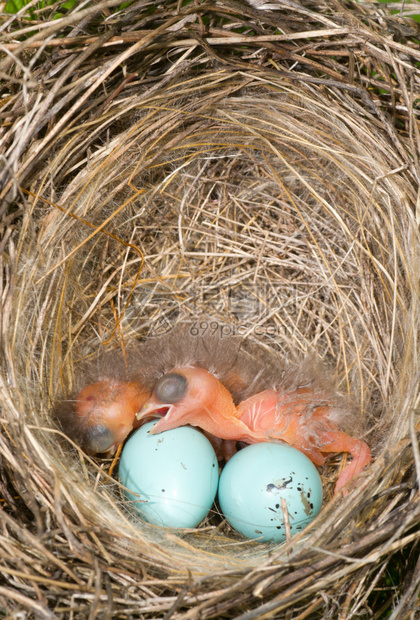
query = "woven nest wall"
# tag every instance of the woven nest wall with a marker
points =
(241, 167)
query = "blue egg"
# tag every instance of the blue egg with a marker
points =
(255, 480)
(172, 476)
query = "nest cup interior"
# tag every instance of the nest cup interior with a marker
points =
(268, 208)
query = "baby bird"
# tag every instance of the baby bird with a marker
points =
(100, 413)
(104, 414)
(304, 418)
(216, 383)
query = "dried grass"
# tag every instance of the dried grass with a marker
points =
(252, 166)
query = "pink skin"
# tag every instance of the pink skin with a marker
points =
(111, 405)
(275, 415)
(208, 405)
(272, 415)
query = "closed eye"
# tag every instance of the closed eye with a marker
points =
(98, 439)
(171, 388)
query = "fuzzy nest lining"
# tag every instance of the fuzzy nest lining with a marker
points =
(259, 187)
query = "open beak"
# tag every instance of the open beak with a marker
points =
(152, 409)
(168, 414)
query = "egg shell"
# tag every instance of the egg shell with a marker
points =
(175, 475)
(254, 481)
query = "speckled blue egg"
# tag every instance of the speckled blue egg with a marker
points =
(173, 476)
(255, 480)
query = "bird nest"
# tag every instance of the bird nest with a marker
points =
(250, 170)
